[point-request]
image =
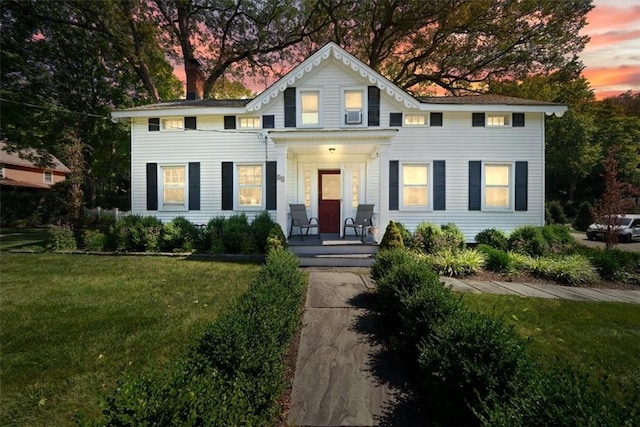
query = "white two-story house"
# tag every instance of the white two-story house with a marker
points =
(333, 134)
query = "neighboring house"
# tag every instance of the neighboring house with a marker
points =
(20, 174)
(332, 134)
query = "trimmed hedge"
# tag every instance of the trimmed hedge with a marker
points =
(234, 373)
(467, 368)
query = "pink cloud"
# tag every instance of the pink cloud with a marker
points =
(605, 76)
(613, 37)
(603, 18)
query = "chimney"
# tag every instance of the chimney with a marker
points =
(195, 80)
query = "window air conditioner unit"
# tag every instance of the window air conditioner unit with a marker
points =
(353, 117)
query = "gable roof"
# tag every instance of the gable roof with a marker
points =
(20, 158)
(326, 53)
(332, 52)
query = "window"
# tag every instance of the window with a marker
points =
(498, 120)
(48, 177)
(172, 124)
(415, 186)
(353, 106)
(174, 187)
(415, 120)
(249, 186)
(249, 122)
(355, 185)
(310, 108)
(2, 172)
(497, 188)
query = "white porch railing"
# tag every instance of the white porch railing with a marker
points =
(100, 212)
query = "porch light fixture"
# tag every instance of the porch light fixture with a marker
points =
(332, 150)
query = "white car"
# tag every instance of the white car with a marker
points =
(627, 226)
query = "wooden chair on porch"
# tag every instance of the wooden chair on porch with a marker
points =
(363, 219)
(300, 220)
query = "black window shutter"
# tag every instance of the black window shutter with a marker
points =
(154, 124)
(435, 119)
(439, 185)
(190, 123)
(290, 107)
(229, 122)
(475, 185)
(394, 185)
(395, 119)
(227, 186)
(268, 121)
(478, 119)
(272, 189)
(522, 185)
(373, 102)
(152, 186)
(194, 186)
(518, 120)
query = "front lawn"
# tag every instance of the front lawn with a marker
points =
(600, 338)
(18, 238)
(73, 325)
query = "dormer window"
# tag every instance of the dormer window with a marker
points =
(353, 106)
(310, 107)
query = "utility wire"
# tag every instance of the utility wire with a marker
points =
(52, 108)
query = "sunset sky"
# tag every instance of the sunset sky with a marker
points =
(612, 57)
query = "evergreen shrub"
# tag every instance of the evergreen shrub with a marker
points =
(179, 235)
(584, 217)
(492, 237)
(392, 237)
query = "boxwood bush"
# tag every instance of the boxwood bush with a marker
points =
(234, 373)
(495, 238)
(179, 235)
(135, 233)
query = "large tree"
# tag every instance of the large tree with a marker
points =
(458, 44)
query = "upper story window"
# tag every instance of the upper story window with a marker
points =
(497, 186)
(2, 172)
(353, 106)
(174, 188)
(310, 107)
(249, 122)
(48, 177)
(498, 120)
(415, 185)
(415, 120)
(172, 124)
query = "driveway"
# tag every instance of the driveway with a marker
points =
(582, 239)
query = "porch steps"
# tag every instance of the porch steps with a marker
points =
(314, 252)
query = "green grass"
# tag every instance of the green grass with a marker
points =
(73, 325)
(17, 238)
(601, 338)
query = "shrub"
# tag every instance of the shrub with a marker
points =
(94, 240)
(495, 238)
(22, 209)
(136, 233)
(388, 258)
(179, 235)
(496, 260)
(584, 217)
(407, 238)
(452, 237)
(234, 373)
(457, 263)
(529, 240)
(261, 226)
(392, 237)
(427, 236)
(211, 240)
(236, 234)
(556, 212)
(558, 237)
(571, 269)
(470, 355)
(61, 239)
(614, 264)
(276, 239)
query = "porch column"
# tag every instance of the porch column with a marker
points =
(281, 185)
(383, 219)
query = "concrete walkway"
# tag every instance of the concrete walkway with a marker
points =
(543, 290)
(343, 375)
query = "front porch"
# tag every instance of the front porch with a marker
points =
(330, 250)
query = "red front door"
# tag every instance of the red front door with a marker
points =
(329, 194)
